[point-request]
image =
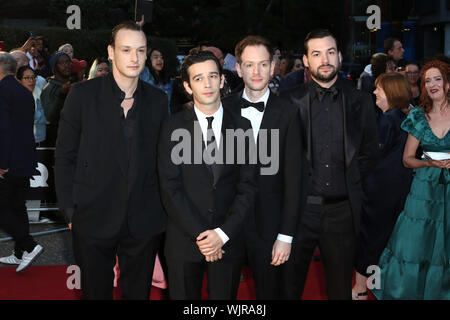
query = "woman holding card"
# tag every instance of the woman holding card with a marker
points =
(415, 263)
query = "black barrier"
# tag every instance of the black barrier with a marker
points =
(42, 184)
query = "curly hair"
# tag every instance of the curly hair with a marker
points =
(425, 101)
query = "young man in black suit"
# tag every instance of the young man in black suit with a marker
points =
(17, 162)
(105, 171)
(341, 146)
(276, 125)
(206, 190)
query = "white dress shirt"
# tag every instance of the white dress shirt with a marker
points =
(255, 118)
(217, 129)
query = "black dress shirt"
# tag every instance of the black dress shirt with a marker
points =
(327, 123)
(128, 123)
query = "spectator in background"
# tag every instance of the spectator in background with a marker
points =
(22, 60)
(100, 68)
(67, 49)
(78, 70)
(412, 75)
(233, 83)
(157, 75)
(386, 187)
(394, 48)
(55, 92)
(17, 163)
(27, 78)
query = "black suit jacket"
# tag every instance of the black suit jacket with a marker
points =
(277, 205)
(17, 145)
(90, 166)
(197, 200)
(360, 138)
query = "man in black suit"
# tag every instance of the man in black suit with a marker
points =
(206, 190)
(340, 144)
(17, 162)
(105, 171)
(276, 124)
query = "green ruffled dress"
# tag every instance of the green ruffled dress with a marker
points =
(415, 263)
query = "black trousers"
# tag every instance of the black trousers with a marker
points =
(13, 212)
(329, 226)
(186, 279)
(97, 258)
(267, 278)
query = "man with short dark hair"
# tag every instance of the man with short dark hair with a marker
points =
(206, 201)
(105, 171)
(271, 225)
(17, 162)
(394, 48)
(341, 147)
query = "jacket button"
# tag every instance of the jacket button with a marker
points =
(85, 164)
(210, 210)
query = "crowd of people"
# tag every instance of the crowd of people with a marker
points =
(362, 170)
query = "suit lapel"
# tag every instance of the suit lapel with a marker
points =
(197, 142)
(304, 101)
(110, 120)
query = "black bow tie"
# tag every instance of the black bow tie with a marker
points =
(257, 105)
(321, 92)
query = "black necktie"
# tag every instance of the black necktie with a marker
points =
(321, 92)
(257, 105)
(210, 138)
(211, 146)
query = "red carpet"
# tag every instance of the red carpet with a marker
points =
(49, 283)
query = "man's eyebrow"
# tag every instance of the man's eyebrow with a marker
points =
(200, 74)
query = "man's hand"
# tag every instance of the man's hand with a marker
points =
(2, 172)
(209, 242)
(215, 256)
(280, 252)
(28, 44)
(65, 88)
(141, 22)
(70, 226)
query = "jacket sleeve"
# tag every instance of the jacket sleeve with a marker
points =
(369, 152)
(292, 171)
(67, 144)
(5, 131)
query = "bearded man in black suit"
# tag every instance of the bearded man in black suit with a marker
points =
(341, 146)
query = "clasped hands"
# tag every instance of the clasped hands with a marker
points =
(210, 245)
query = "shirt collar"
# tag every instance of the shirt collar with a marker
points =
(264, 98)
(202, 116)
(118, 93)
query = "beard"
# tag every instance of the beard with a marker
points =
(326, 78)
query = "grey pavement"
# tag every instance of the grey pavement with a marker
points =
(57, 246)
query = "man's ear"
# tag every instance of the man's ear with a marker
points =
(187, 87)
(222, 81)
(110, 53)
(238, 69)
(340, 57)
(305, 61)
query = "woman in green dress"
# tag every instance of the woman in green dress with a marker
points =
(415, 263)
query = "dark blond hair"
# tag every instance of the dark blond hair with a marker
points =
(396, 88)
